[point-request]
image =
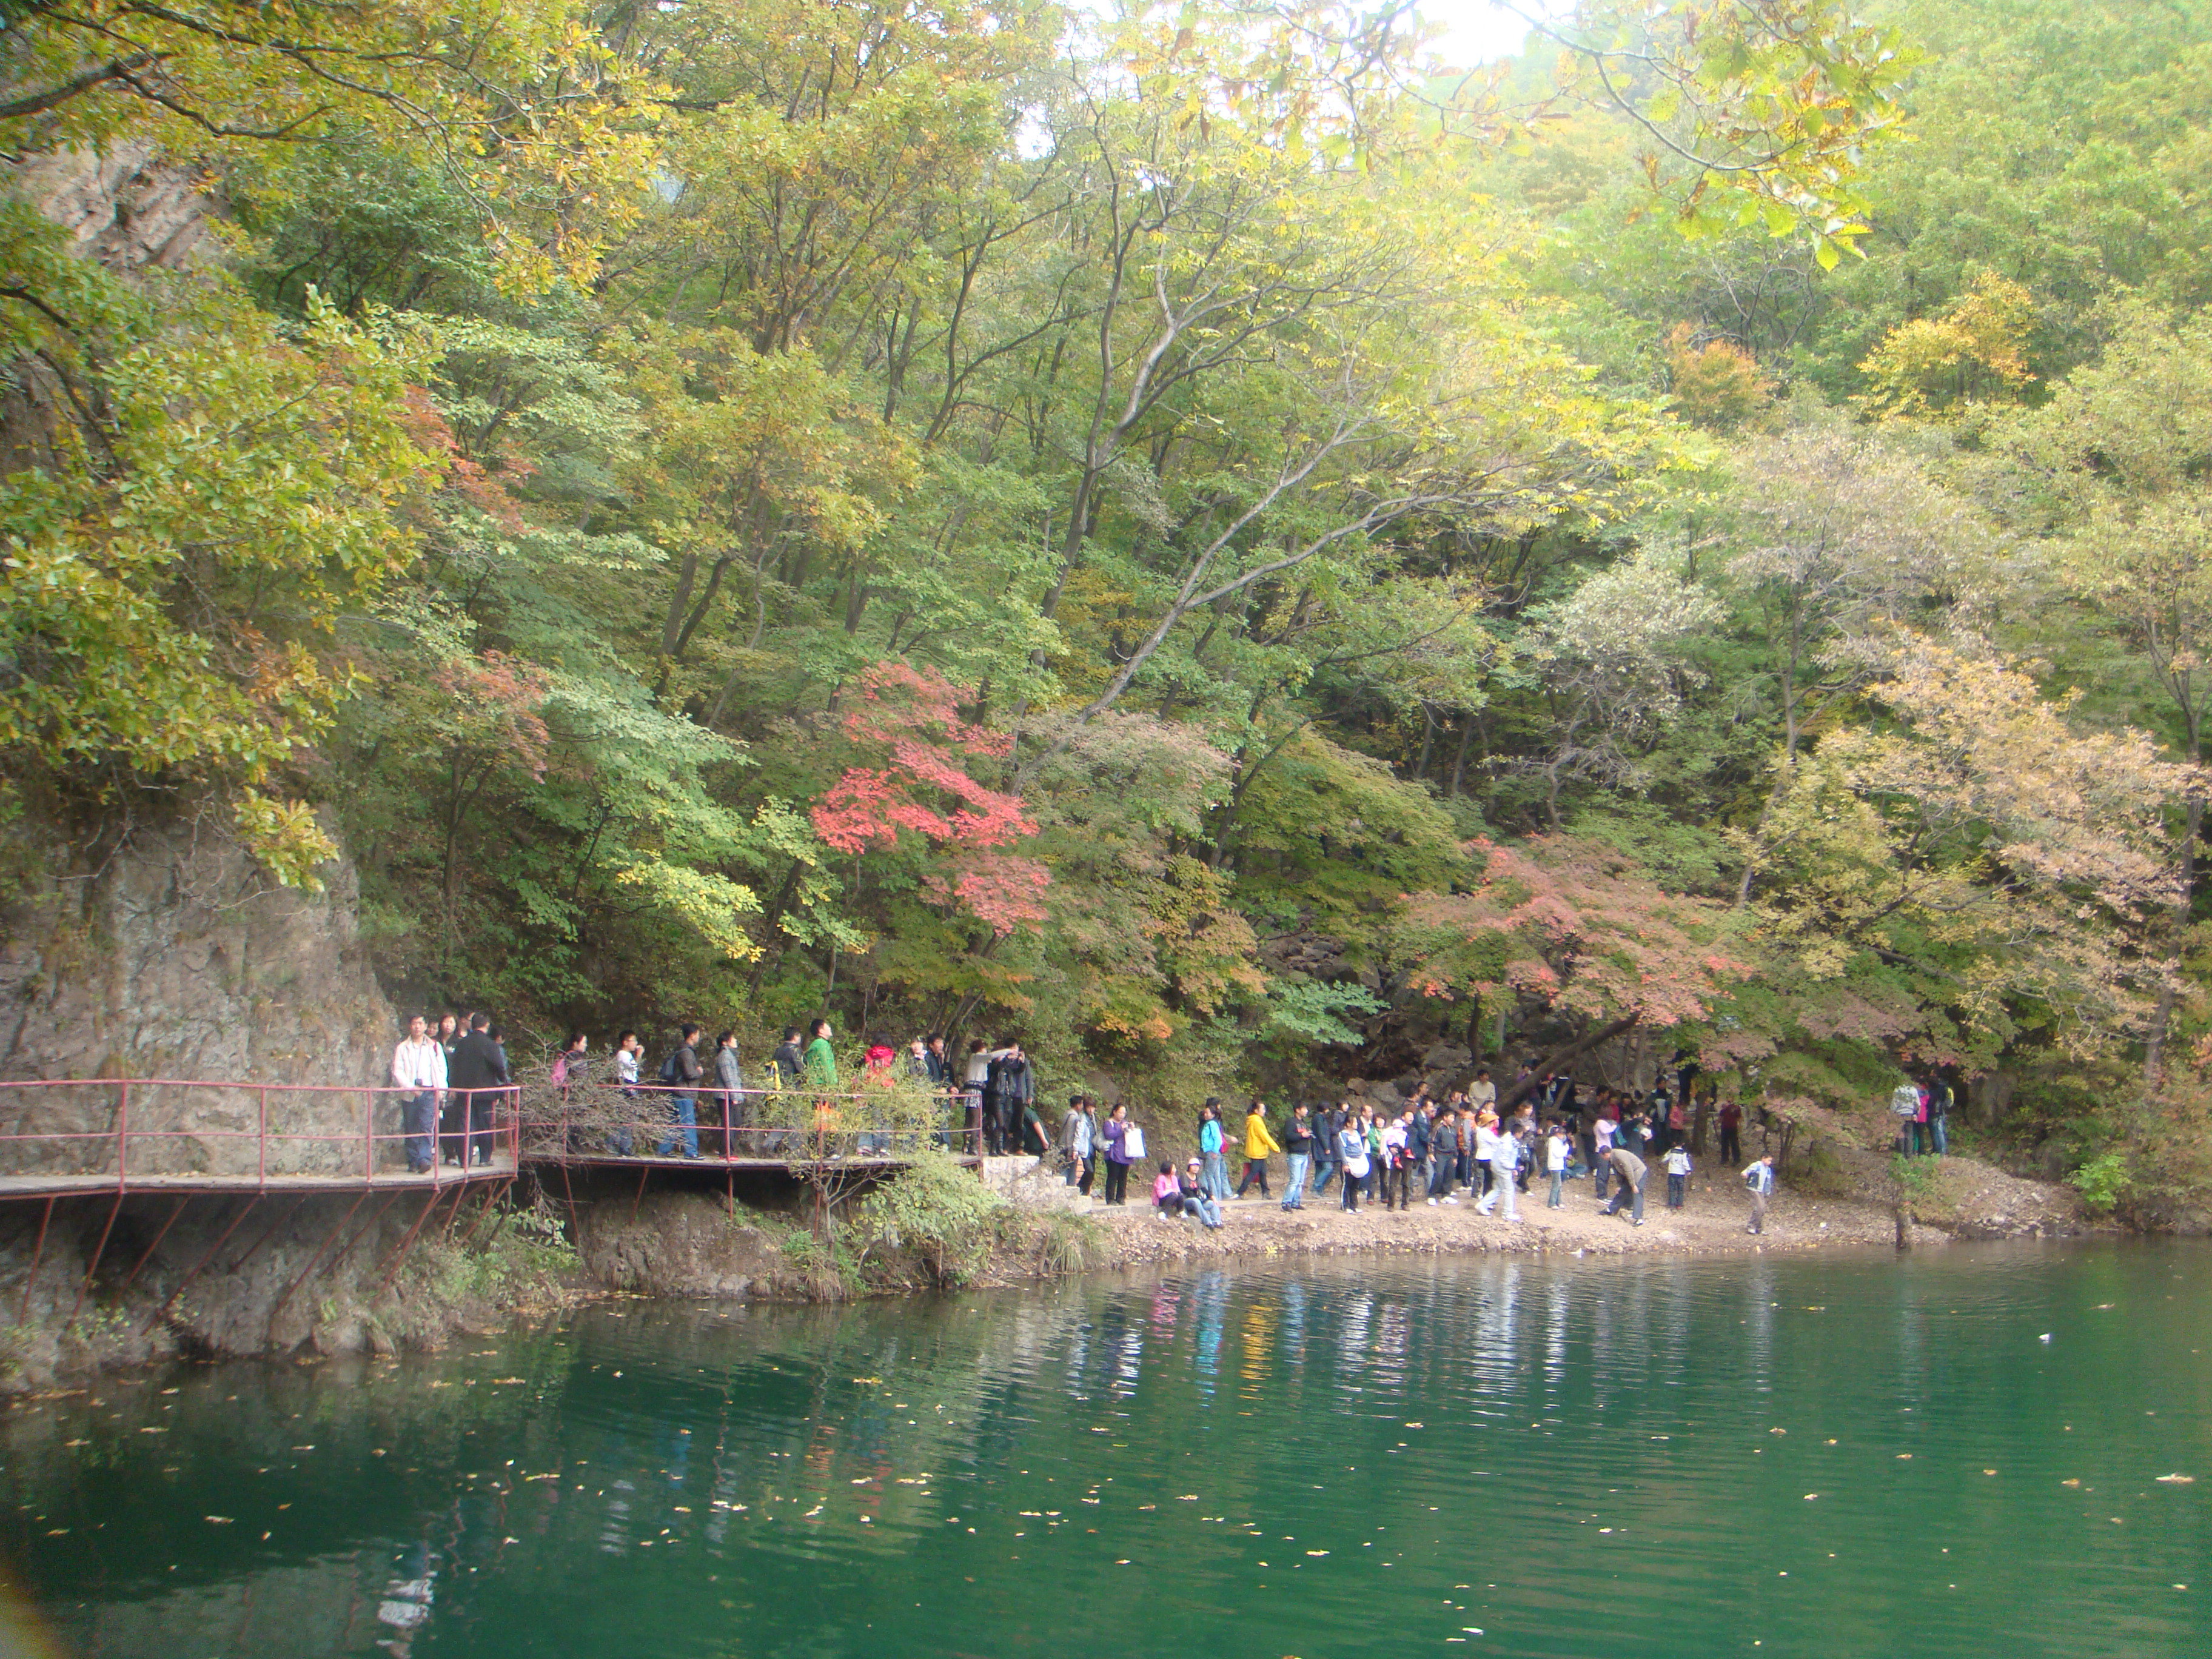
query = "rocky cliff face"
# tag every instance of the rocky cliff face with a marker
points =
(176, 958)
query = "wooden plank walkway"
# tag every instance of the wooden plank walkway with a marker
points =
(712, 1161)
(397, 1179)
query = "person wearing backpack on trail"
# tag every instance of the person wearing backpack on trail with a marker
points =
(1907, 1103)
(1259, 1142)
(681, 1072)
(786, 1072)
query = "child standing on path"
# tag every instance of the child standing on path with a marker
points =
(1555, 1163)
(1678, 1175)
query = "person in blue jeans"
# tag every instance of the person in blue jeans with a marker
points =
(1214, 1175)
(1194, 1199)
(418, 1067)
(684, 1070)
(1325, 1123)
(1298, 1142)
(1556, 1153)
(1628, 1190)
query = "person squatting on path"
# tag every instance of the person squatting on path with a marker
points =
(418, 1066)
(1759, 1177)
(1195, 1200)
(1175, 1198)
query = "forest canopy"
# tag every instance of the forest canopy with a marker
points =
(1211, 536)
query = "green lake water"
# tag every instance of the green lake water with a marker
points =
(1838, 1455)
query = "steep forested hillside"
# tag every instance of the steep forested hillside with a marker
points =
(1202, 537)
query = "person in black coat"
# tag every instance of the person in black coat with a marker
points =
(1013, 1086)
(477, 1075)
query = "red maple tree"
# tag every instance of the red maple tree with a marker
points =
(911, 716)
(1578, 924)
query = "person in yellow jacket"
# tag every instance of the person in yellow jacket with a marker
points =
(1258, 1143)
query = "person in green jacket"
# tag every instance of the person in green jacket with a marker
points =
(821, 1063)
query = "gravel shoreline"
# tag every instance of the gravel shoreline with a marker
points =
(1713, 1222)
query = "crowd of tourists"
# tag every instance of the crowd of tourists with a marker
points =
(1462, 1147)
(450, 1078)
(1471, 1143)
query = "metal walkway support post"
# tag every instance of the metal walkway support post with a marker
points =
(155, 1317)
(38, 1252)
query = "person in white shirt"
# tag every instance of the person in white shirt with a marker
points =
(1505, 1155)
(418, 1068)
(1677, 1165)
(1392, 1172)
(1601, 1137)
(1482, 1093)
(1556, 1150)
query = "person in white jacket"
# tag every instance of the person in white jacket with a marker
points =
(418, 1066)
(1556, 1150)
(1504, 1152)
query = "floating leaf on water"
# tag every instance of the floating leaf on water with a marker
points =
(2176, 1481)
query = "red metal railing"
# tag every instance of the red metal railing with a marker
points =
(597, 1121)
(96, 1133)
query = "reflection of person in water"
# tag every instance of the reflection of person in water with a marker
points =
(405, 1607)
